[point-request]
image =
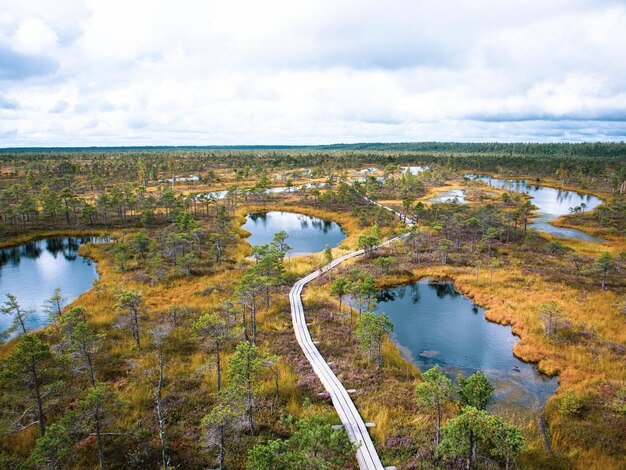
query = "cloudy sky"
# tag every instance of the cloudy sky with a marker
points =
(186, 72)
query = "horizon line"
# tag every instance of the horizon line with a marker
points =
(292, 146)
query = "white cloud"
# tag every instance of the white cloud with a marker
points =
(33, 36)
(105, 72)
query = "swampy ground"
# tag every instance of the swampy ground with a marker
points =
(186, 255)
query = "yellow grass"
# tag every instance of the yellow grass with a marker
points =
(38, 234)
(507, 302)
(379, 415)
(512, 298)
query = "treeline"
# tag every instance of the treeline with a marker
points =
(588, 149)
(63, 374)
(57, 205)
(519, 148)
(590, 159)
(68, 202)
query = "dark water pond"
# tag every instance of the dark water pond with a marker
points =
(435, 324)
(33, 270)
(552, 203)
(306, 234)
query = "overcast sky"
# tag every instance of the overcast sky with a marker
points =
(185, 72)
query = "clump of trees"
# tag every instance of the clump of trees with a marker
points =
(35, 382)
(473, 435)
(33, 371)
(266, 274)
(313, 443)
(360, 287)
(369, 241)
(371, 329)
(476, 435)
(185, 247)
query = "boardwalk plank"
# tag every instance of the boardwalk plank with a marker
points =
(351, 420)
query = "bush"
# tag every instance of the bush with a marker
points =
(12, 462)
(556, 248)
(572, 405)
(618, 405)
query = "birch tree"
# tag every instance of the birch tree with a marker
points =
(160, 335)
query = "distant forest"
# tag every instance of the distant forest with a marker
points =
(585, 149)
(583, 160)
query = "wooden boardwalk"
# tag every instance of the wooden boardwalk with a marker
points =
(350, 418)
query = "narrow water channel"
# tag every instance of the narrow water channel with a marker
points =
(552, 204)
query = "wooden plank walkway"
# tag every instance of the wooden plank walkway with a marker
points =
(350, 418)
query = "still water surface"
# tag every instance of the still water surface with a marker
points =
(414, 170)
(306, 234)
(552, 204)
(435, 324)
(33, 270)
(452, 195)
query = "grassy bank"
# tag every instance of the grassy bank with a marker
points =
(590, 365)
(19, 239)
(190, 387)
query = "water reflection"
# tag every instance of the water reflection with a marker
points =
(435, 324)
(33, 270)
(306, 234)
(414, 170)
(552, 203)
(451, 196)
(216, 195)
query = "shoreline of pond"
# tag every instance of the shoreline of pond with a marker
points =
(32, 236)
(453, 283)
(82, 251)
(554, 221)
(542, 182)
(346, 222)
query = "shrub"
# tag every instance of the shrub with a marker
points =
(556, 248)
(572, 405)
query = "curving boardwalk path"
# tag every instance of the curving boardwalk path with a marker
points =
(351, 419)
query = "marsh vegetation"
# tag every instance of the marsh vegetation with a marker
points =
(182, 353)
